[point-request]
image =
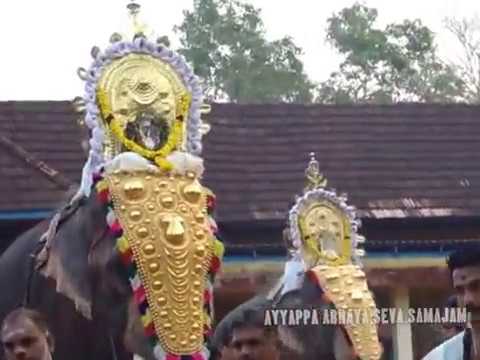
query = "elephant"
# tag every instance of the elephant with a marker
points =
(300, 342)
(78, 262)
(311, 341)
(135, 251)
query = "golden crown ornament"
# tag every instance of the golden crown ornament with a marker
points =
(323, 231)
(143, 105)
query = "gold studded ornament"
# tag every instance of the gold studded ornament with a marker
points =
(164, 219)
(347, 288)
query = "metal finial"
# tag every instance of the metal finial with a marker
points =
(314, 178)
(134, 9)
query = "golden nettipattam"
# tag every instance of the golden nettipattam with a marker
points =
(165, 220)
(323, 230)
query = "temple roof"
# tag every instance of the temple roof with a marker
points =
(399, 161)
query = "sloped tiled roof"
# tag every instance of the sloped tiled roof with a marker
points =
(45, 132)
(409, 160)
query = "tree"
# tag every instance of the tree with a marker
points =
(467, 33)
(396, 63)
(225, 41)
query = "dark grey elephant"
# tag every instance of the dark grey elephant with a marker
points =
(323, 272)
(307, 342)
(313, 341)
(80, 263)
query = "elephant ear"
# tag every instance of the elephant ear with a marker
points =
(65, 257)
(311, 340)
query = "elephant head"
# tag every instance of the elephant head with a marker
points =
(299, 342)
(95, 263)
(323, 272)
(313, 341)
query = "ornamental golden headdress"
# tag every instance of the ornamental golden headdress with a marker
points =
(143, 105)
(324, 242)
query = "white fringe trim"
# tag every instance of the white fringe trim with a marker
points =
(184, 162)
(129, 162)
(293, 275)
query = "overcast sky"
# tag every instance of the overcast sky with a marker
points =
(44, 42)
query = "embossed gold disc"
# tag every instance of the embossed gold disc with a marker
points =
(164, 219)
(143, 93)
(326, 234)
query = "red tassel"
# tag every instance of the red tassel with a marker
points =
(198, 356)
(103, 196)
(150, 330)
(211, 203)
(139, 295)
(312, 277)
(127, 257)
(116, 227)
(172, 357)
(214, 265)
(207, 296)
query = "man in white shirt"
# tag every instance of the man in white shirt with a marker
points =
(464, 266)
(452, 349)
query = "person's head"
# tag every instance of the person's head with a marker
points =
(451, 329)
(223, 331)
(464, 267)
(25, 336)
(251, 340)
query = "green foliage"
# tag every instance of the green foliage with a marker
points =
(467, 33)
(225, 41)
(396, 63)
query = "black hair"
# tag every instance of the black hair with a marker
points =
(223, 331)
(37, 318)
(468, 256)
(451, 302)
(250, 318)
(317, 340)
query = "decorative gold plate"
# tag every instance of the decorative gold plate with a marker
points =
(164, 218)
(347, 288)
